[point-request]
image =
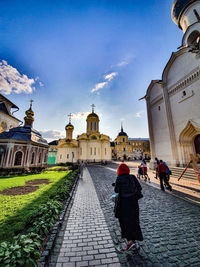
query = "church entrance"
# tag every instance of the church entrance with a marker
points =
(197, 144)
(125, 158)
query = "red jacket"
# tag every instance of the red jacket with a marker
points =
(162, 168)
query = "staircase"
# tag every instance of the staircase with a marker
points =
(189, 174)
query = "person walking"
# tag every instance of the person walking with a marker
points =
(144, 170)
(82, 166)
(127, 208)
(162, 173)
(157, 163)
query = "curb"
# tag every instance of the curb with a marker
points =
(50, 244)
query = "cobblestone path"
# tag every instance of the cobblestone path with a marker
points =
(171, 226)
(86, 241)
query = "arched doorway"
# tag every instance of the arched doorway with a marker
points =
(189, 141)
(197, 144)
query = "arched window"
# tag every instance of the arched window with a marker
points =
(91, 126)
(91, 151)
(32, 158)
(192, 38)
(40, 156)
(95, 125)
(105, 151)
(18, 158)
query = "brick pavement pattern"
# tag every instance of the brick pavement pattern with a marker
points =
(86, 241)
(170, 225)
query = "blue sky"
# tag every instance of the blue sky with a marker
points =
(67, 55)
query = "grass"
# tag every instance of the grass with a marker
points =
(15, 210)
(57, 167)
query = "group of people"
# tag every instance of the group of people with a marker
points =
(163, 172)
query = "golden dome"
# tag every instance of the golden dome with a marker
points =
(69, 126)
(92, 116)
(29, 116)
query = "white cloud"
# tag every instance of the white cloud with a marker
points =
(139, 114)
(52, 134)
(110, 76)
(122, 63)
(12, 81)
(99, 86)
(41, 84)
(80, 115)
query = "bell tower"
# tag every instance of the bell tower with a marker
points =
(69, 128)
(29, 118)
(92, 122)
(186, 14)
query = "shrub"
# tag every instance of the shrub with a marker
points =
(23, 251)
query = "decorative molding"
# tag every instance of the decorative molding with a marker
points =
(156, 101)
(187, 80)
(186, 97)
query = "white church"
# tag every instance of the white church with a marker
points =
(173, 103)
(91, 146)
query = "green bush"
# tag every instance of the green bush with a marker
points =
(24, 250)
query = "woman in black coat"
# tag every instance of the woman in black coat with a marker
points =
(127, 209)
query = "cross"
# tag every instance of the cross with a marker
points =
(93, 106)
(70, 117)
(31, 101)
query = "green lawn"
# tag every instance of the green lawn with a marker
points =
(57, 167)
(15, 210)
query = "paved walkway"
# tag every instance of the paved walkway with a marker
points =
(170, 225)
(87, 241)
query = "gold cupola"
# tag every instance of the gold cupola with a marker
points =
(69, 128)
(29, 118)
(92, 122)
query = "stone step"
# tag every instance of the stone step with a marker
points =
(189, 174)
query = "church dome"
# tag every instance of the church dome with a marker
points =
(69, 126)
(122, 133)
(92, 116)
(177, 9)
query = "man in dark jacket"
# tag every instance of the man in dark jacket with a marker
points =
(162, 173)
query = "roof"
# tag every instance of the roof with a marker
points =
(25, 133)
(53, 143)
(177, 9)
(122, 133)
(3, 108)
(7, 100)
(138, 139)
(92, 115)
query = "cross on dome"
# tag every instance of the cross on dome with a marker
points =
(93, 106)
(70, 117)
(31, 101)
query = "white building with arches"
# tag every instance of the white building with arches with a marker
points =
(173, 102)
